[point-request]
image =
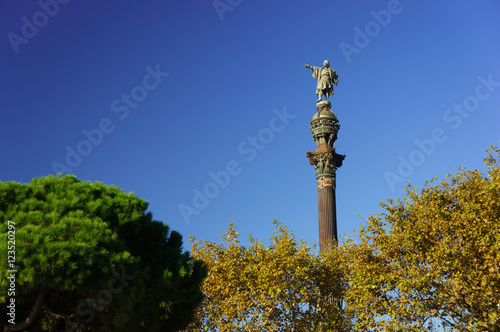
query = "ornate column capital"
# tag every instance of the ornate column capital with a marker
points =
(326, 163)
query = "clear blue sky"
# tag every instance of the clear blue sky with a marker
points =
(170, 92)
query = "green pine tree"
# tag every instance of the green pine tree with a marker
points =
(90, 257)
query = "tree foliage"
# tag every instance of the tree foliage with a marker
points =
(283, 287)
(432, 258)
(93, 258)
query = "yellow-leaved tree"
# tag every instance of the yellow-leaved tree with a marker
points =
(432, 258)
(283, 287)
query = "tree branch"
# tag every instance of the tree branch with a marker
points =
(32, 316)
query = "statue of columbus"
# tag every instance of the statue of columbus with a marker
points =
(326, 78)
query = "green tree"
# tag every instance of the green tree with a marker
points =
(432, 258)
(90, 257)
(283, 287)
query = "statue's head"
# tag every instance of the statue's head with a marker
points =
(326, 64)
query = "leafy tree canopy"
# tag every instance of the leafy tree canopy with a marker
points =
(283, 287)
(89, 256)
(431, 258)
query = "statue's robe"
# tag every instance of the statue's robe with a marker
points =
(326, 78)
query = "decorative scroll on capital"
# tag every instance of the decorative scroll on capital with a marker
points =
(326, 162)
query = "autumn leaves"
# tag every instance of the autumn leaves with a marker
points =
(429, 261)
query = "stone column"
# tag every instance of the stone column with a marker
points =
(324, 127)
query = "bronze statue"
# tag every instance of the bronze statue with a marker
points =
(326, 78)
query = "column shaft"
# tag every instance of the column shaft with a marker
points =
(327, 216)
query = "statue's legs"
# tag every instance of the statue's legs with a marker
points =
(321, 94)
